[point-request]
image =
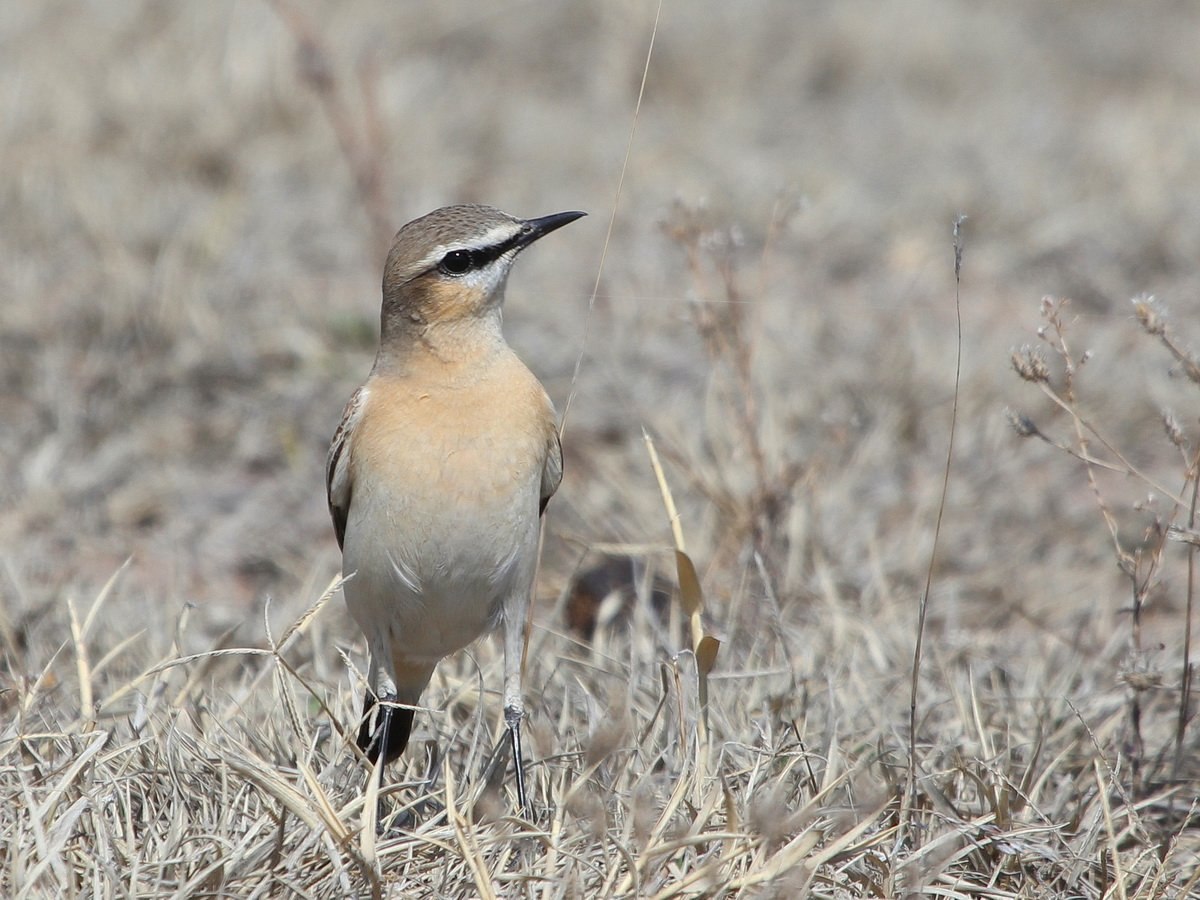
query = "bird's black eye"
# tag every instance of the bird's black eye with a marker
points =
(456, 262)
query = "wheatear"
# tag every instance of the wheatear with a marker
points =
(441, 468)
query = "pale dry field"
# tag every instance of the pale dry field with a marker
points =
(193, 201)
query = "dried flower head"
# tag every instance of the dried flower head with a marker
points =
(1031, 365)
(1173, 428)
(1149, 314)
(1021, 423)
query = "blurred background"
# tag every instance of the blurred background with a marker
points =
(195, 200)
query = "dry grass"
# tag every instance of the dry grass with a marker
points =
(194, 201)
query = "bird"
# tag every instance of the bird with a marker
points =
(440, 471)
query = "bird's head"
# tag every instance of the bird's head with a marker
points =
(452, 264)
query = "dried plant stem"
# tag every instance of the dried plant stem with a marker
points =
(612, 221)
(694, 622)
(909, 799)
(1084, 425)
(1142, 564)
(1185, 675)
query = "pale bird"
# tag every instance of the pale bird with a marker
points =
(441, 468)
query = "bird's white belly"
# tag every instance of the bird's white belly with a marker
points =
(431, 570)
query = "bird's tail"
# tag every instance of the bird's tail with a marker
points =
(389, 737)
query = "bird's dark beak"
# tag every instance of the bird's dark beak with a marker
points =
(533, 229)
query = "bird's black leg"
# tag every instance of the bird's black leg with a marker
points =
(512, 718)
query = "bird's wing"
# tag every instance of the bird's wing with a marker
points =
(552, 472)
(337, 463)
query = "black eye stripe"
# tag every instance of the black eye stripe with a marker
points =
(484, 255)
(459, 262)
